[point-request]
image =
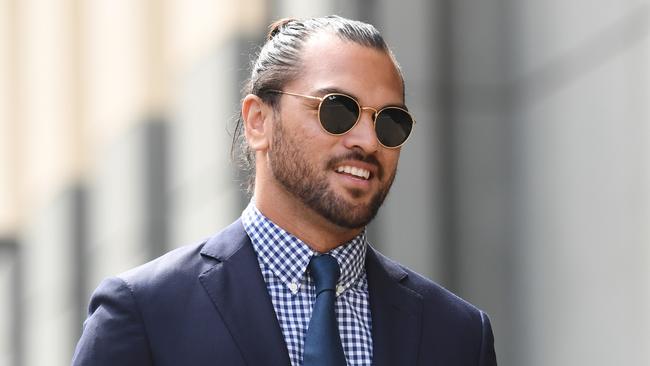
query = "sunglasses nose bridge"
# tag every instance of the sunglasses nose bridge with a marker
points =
(374, 112)
(363, 134)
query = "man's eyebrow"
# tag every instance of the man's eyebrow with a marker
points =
(329, 90)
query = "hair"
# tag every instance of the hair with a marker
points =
(279, 63)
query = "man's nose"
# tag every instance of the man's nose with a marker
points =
(363, 135)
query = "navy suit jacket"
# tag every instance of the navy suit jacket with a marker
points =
(208, 305)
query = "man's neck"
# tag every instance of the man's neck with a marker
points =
(292, 215)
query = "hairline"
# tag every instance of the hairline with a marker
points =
(300, 65)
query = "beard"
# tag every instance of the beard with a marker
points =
(308, 182)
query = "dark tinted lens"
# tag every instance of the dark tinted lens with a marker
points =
(393, 126)
(338, 113)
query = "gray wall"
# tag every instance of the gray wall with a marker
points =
(549, 166)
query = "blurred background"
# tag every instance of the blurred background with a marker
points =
(525, 189)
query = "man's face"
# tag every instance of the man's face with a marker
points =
(309, 163)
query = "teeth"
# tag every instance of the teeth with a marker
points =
(357, 172)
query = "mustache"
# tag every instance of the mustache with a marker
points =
(358, 156)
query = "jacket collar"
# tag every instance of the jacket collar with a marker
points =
(237, 289)
(396, 312)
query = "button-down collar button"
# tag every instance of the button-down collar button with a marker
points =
(339, 289)
(293, 287)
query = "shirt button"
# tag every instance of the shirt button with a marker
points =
(293, 287)
(339, 290)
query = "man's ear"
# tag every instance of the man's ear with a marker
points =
(257, 117)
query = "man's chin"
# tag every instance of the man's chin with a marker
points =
(350, 222)
(350, 213)
(356, 194)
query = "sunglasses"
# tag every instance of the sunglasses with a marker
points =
(339, 113)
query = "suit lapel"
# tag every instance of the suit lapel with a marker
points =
(396, 313)
(237, 289)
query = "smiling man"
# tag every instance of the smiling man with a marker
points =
(294, 281)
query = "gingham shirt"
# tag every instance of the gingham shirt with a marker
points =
(283, 259)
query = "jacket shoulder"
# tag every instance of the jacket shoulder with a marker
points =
(187, 262)
(452, 329)
(436, 299)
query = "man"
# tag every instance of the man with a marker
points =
(294, 281)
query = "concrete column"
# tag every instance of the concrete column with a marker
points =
(204, 193)
(407, 228)
(11, 314)
(477, 144)
(581, 131)
(549, 124)
(127, 205)
(50, 299)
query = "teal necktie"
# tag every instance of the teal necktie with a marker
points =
(323, 343)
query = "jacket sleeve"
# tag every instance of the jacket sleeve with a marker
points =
(488, 356)
(113, 333)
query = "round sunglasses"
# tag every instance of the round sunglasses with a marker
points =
(339, 113)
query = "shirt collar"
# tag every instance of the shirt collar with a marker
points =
(287, 256)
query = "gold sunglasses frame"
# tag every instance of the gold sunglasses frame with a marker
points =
(361, 108)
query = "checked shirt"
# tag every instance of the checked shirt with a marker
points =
(283, 259)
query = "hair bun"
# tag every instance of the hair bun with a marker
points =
(277, 26)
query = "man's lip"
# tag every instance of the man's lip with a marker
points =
(359, 173)
(357, 169)
(357, 160)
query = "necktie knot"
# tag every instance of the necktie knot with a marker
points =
(325, 270)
